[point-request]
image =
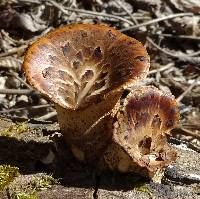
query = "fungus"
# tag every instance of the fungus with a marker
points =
(84, 68)
(139, 129)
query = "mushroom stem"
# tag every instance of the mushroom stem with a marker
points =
(79, 126)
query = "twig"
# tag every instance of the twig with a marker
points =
(178, 99)
(161, 49)
(190, 133)
(126, 10)
(187, 143)
(184, 58)
(183, 36)
(7, 36)
(47, 116)
(27, 108)
(65, 9)
(194, 54)
(30, 1)
(83, 15)
(178, 36)
(20, 79)
(156, 20)
(17, 91)
(13, 51)
(161, 69)
(23, 47)
(195, 126)
(146, 81)
(10, 62)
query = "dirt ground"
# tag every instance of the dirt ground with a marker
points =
(34, 160)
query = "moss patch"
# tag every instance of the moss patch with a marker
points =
(143, 188)
(27, 187)
(15, 129)
(44, 182)
(7, 175)
(27, 196)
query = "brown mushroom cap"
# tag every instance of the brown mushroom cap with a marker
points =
(79, 64)
(139, 132)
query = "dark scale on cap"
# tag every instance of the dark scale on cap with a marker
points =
(156, 122)
(145, 144)
(76, 65)
(83, 33)
(87, 75)
(53, 59)
(98, 53)
(66, 49)
(64, 76)
(141, 58)
(79, 56)
(100, 84)
(173, 112)
(169, 123)
(47, 72)
(103, 75)
(111, 36)
(87, 51)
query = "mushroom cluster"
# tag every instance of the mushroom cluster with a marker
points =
(84, 70)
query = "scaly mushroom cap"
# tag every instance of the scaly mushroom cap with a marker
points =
(78, 65)
(139, 132)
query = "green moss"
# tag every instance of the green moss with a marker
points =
(43, 182)
(15, 129)
(32, 195)
(28, 188)
(142, 187)
(7, 175)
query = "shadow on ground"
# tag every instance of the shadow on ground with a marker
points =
(29, 157)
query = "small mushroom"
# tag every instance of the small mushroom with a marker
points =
(84, 68)
(139, 133)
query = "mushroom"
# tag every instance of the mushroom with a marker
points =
(84, 69)
(139, 133)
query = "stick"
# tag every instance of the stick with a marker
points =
(161, 69)
(47, 116)
(17, 91)
(127, 11)
(178, 36)
(155, 21)
(27, 107)
(178, 99)
(13, 51)
(185, 57)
